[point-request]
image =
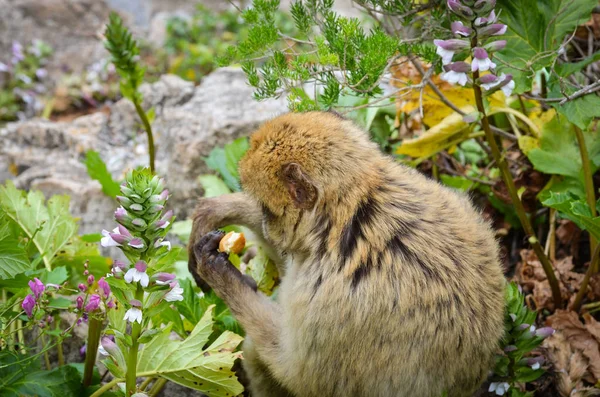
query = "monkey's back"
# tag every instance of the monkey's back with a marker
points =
(403, 298)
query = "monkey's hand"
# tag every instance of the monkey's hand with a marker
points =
(214, 266)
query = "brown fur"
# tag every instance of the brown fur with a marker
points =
(392, 282)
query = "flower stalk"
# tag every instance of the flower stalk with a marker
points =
(93, 341)
(514, 196)
(589, 188)
(136, 329)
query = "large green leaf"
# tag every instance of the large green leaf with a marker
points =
(13, 259)
(536, 30)
(213, 185)
(559, 153)
(580, 111)
(50, 227)
(263, 270)
(20, 376)
(192, 365)
(191, 306)
(225, 161)
(97, 170)
(575, 209)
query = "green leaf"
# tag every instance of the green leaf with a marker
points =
(581, 111)
(575, 209)
(13, 259)
(20, 376)
(50, 227)
(57, 276)
(182, 229)
(225, 161)
(190, 307)
(188, 363)
(567, 69)
(535, 32)
(213, 185)
(96, 169)
(60, 303)
(263, 270)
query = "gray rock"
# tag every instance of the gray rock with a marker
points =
(190, 122)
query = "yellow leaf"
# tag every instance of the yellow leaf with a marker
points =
(527, 143)
(437, 138)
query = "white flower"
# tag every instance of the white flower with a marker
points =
(535, 366)
(508, 88)
(532, 328)
(102, 350)
(175, 294)
(138, 273)
(134, 314)
(107, 240)
(160, 243)
(453, 77)
(499, 387)
(445, 54)
(482, 64)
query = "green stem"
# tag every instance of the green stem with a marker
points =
(586, 279)
(157, 387)
(148, 129)
(590, 194)
(21, 336)
(46, 356)
(510, 185)
(131, 377)
(59, 346)
(94, 332)
(106, 387)
(146, 382)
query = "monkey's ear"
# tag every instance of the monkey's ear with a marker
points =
(301, 189)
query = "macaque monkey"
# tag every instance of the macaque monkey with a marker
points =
(391, 283)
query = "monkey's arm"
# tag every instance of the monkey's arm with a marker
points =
(259, 315)
(230, 209)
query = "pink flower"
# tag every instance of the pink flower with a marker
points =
(456, 73)
(486, 21)
(104, 287)
(79, 302)
(119, 236)
(136, 243)
(447, 48)
(175, 294)
(82, 287)
(495, 29)
(37, 287)
(91, 279)
(481, 61)
(138, 273)
(134, 313)
(93, 304)
(164, 278)
(458, 28)
(28, 305)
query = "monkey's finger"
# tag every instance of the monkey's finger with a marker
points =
(212, 242)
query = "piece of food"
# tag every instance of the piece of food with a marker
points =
(232, 242)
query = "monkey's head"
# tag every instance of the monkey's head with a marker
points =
(297, 162)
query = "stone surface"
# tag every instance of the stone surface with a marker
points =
(190, 122)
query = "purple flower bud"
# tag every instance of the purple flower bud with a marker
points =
(452, 44)
(155, 208)
(123, 231)
(17, 51)
(104, 287)
(41, 73)
(480, 53)
(123, 200)
(135, 303)
(141, 266)
(164, 278)
(495, 29)
(160, 224)
(136, 243)
(42, 324)
(459, 67)
(79, 301)
(510, 348)
(110, 304)
(118, 238)
(86, 272)
(120, 265)
(168, 215)
(513, 317)
(484, 6)
(49, 319)
(83, 350)
(163, 196)
(110, 346)
(139, 222)
(481, 61)
(82, 287)
(121, 214)
(481, 21)
(28, 305)
(544, 332)
(136, 207)
(459, 29)
(93, 304)
(456, 7)
(91, 279)
(497, 45)
(523, 327)
(37, 287)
